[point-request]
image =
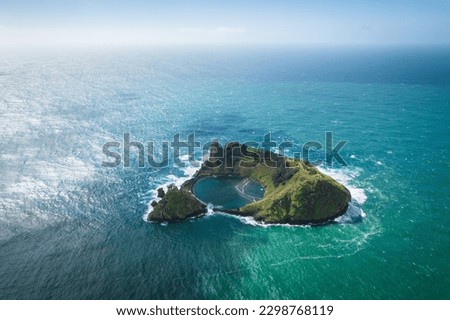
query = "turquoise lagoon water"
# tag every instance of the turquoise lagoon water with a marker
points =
(227, 192)
(73, 229)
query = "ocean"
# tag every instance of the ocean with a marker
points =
(71, 228)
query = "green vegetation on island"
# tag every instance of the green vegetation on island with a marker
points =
(295, 191)
(176, 204)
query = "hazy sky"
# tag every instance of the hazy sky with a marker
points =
(86, 22)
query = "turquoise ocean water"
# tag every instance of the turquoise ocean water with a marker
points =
(72, 229)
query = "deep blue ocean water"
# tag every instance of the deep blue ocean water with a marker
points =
(72, 229)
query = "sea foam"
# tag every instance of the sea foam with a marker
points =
(345, 176)
(171, 179)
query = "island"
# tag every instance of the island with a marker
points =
(295, 192)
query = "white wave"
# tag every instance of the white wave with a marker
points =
(184, 157)
(251, 221)
(171, 179)
(246, 220)
(345, 176)
(353, 214)
(210, 210)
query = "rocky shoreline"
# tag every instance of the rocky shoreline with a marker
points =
(295, 192)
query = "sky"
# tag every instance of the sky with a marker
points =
(234, 22)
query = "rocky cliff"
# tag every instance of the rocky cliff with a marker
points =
(295, 191)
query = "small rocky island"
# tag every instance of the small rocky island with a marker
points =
(295, 191)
